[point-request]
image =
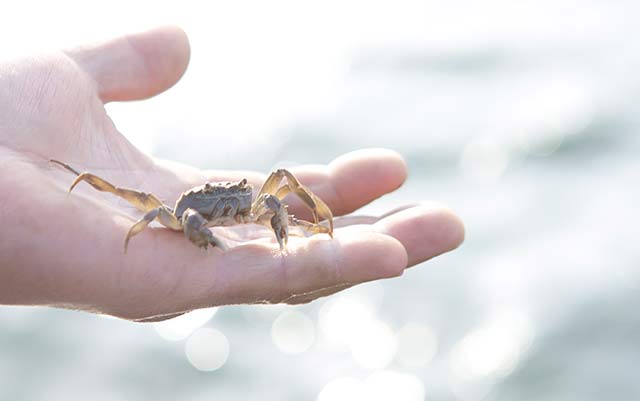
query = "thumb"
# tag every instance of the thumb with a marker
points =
(135, 66)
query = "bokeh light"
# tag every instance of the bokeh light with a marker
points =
(343, 318)
(343, 389)
(417, 345)
(484, 160)
(349, 322)
(375, 347)
(489, 353)
(207, 349)
(494, 348)
(181, 327)
(388, 385)
(382, 385)
(293, 332)
(372, 293)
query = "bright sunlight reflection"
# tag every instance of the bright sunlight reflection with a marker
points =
(376, 347)
(342, 319)
(181, 327)
(417, 345)
(293, 332)
(484, 160)
(488, 353)
(349, 322)
(380, 385)
(207, 349)
(387, 385)
(342, 389)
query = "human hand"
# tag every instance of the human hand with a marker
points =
(67, 251)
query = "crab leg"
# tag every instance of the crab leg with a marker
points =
(310, 227)
(316, 205)
(142, 201)
(145, 202)
(162, 213)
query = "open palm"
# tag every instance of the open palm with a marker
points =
(67, 251)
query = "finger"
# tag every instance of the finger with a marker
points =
(258, 273)
(313, 295)
(350, 220)
(160, 318)
(354, 179)
(425, 231)
(135, 66)
(345, 184)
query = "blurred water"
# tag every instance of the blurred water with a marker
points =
(521, 116)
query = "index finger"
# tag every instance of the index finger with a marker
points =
(347, 183)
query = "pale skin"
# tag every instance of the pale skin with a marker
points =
(67, 251)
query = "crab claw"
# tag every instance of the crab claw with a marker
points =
(280, 219)
(281, 229)
(195, 230)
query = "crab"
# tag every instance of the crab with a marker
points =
(220, 204)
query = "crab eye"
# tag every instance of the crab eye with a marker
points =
(243, 182)
(208, 187)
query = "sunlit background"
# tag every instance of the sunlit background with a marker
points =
(521, 115)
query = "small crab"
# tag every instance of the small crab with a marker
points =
(220, 204)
